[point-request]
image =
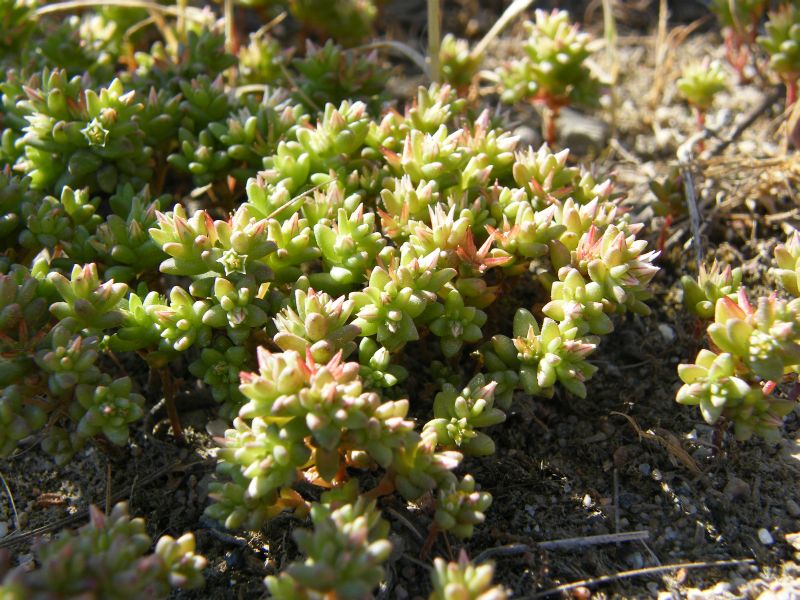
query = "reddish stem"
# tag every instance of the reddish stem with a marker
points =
(662, 238)
(168, 389)
(550, 118)
(791, 92)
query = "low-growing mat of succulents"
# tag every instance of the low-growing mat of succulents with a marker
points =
(286, 311)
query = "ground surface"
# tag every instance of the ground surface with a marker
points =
(627, 458)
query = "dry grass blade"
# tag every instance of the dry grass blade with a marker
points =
(757, 179)
(564, 544)
(511, 13)
(668, 441)
(637, 573)
(11, 501)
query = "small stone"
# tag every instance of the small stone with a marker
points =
(793, 508)
(3, 529)
(587, 501)
(635, 560)
(581, 133)
(793, 539)
(645, 469)
(736, 489)
(723, 587)
(528, 136)
(765, 537)
(667, 333)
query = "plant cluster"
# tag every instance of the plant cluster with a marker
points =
(753, 348)
(300, 254)
(781, 41)
(699, 84)
(553, 70)
(107, 558)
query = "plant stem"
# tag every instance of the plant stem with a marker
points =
(550, 116)
(168, 389)
(434, 37)
(791, 92)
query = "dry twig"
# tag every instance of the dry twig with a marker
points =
(637, 573)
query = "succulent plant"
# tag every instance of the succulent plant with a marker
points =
(617, 262)
(77, 137)
(396, 295)
(669, 194)
(701, 82)
(87, 303)
(781, 41)
(344, 554)
(578, 302)
(786, 264)
(765, 337)
(260, 61)
(742, 16)
(319, 326)
(348, 21)
(218, 366)
(553, 71)
(110, 407)
(463, 581)
(376, 368)
(711, 383)
(458, 63)
(202, 53)
(700, 296)
(123, 245)
(418, 468)
(258, 463)
(460, 507)
(108, 558)
(740, 22)
(458, 414)
(330, 75)
(349, 249)
(456, 323)
(322, 412)
(18, 25)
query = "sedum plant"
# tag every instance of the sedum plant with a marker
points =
(78, 137)
(457, 416)
(700, 296)
(182, 216)
(781, 40)
(461, 580)
(344, 553)
(699, 84)
(553, 70)
(458, 63)
(753, 349)
(108, 558)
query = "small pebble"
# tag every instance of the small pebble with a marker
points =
(3, 529)
(765, 537)
(736, 488)
(645, 469)
(793, 539)
(635, 560)
(667, 333)
(587, 501)
(793, 508)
